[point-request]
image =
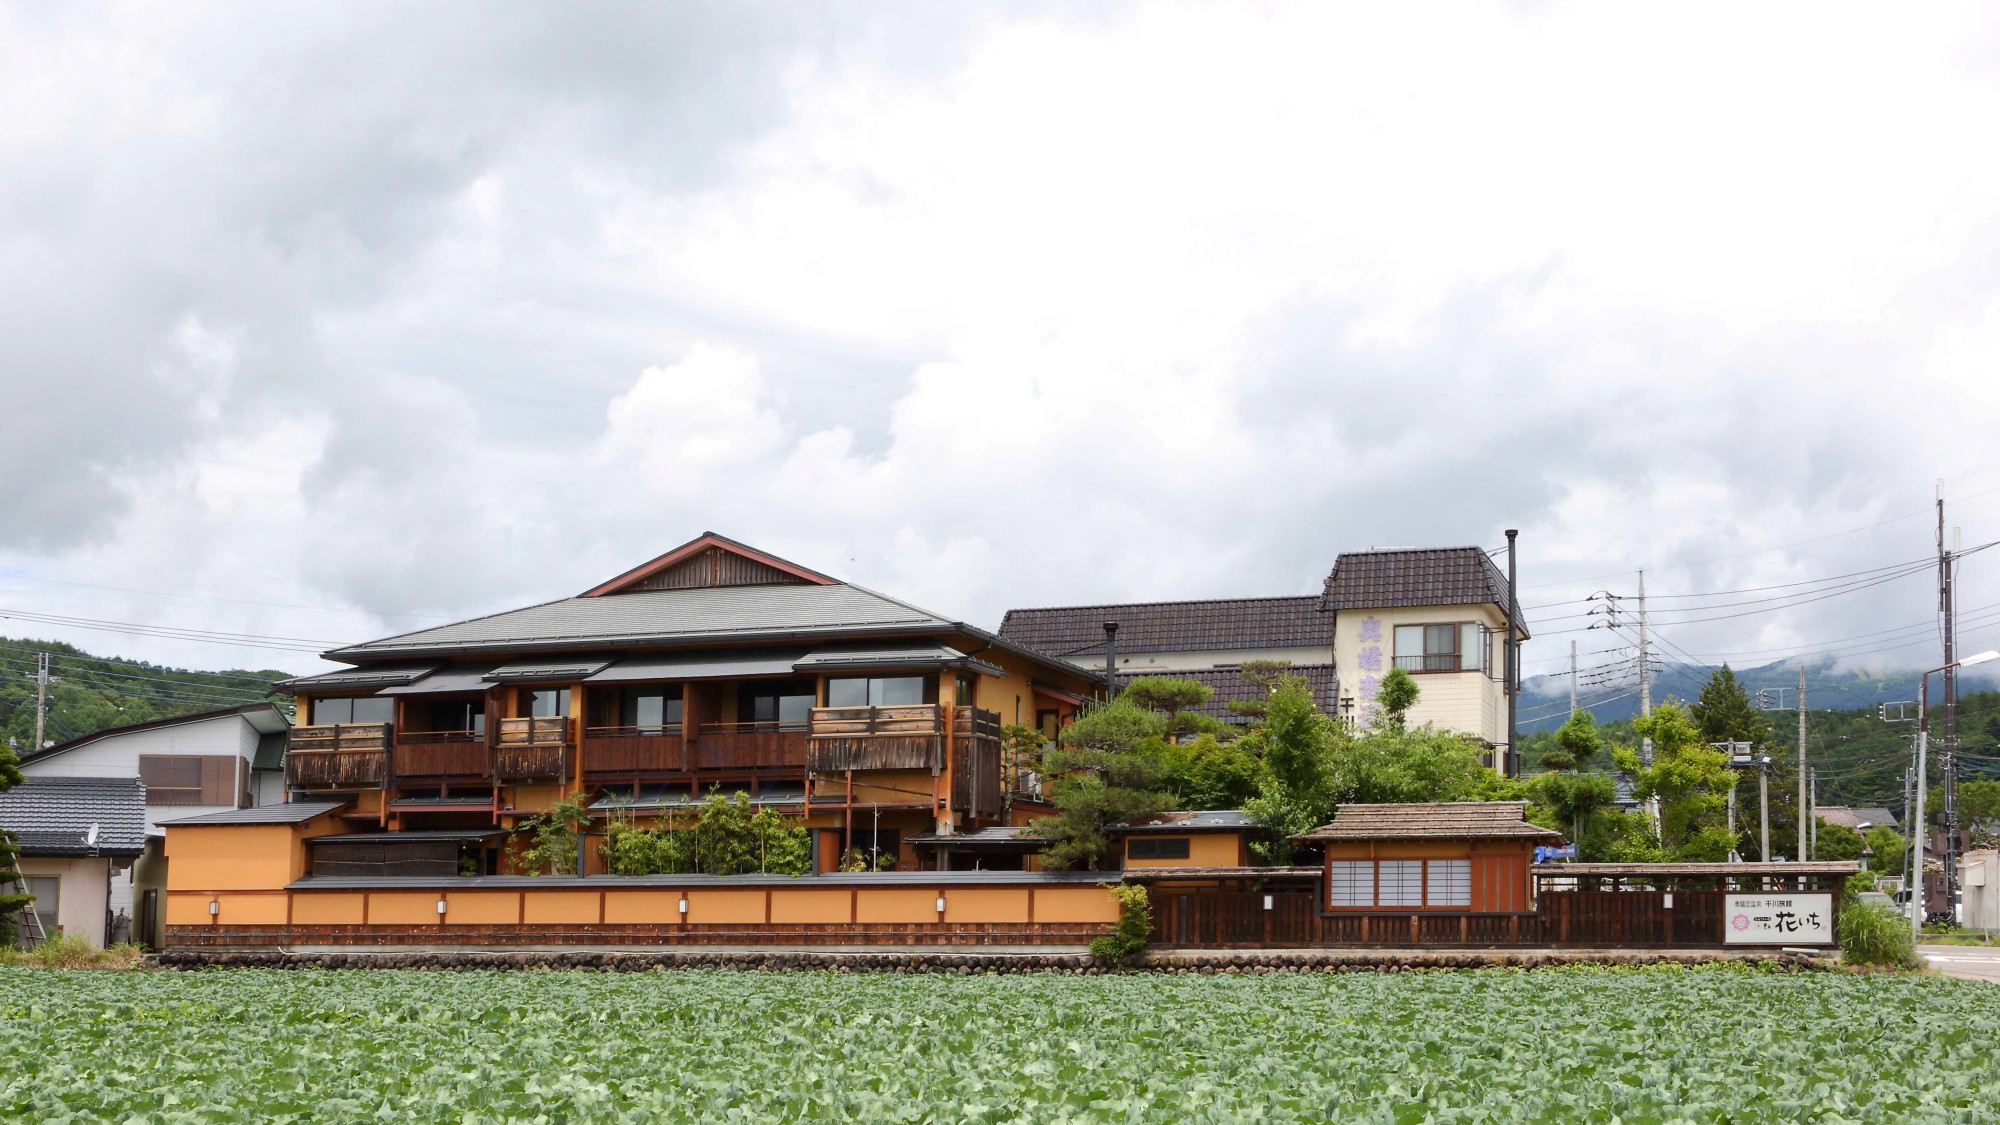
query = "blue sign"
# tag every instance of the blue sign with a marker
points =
(1545, 853)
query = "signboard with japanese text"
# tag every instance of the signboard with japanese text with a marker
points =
(1778, 919)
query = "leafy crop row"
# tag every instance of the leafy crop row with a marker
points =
(1552, 1046)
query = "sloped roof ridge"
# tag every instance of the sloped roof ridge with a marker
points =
(1178, 601)
(328, 654)
(82, 740)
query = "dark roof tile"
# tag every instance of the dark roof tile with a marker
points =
(1412, 577)
(1230, 687)
(1078, 631)
(54, 815)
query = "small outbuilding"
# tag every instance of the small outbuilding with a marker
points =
(1213, 838)
(1463, 857)
(77, 836)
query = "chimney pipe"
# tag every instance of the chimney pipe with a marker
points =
(1513, 662)
(1110, 660)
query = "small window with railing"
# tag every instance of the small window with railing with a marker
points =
(1455, 647)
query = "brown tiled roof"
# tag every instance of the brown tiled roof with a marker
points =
(1229, 686)
(1426, 576)
(1452, 820)
(1078, 630)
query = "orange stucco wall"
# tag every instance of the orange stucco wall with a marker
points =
(1205, 849)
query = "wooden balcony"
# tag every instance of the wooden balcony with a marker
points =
(532, 750)
(611, 752)
(750, 746)
(340, 756)
(878, 738)
(447, 754)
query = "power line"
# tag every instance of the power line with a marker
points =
(213, 598)
(169, 632)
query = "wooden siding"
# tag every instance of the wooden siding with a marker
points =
(427, 858)
(630, 752)
(338, 756)
(716, 567)
(441, 754)
(747, 746)
(191, 779)
(532, 749)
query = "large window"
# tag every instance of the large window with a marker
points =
(1399, 883)
(1456, 647)
(548, 703)
(650, 706)
(353, 709)
(1157, 847)
(453, 715)
(784, 704)
(876, 691)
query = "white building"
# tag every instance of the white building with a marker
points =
(1440, 614)
(190, 764)
(80, 839)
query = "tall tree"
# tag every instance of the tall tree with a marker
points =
(1297, 792)
(1577, 742)
(1691, 780)
(12, 901)
(1107, 768)
(1724, 712)
(1572, 798)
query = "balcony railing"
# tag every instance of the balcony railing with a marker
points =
(339, 756)
(442, 754)
(751, 746)
(1436, 662)
(631, 751)
(878, 738)
(532, 749)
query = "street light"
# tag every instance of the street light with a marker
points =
(1920, 834)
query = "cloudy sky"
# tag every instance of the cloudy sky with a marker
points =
(327, 322)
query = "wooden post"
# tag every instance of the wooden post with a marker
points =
(948, 738)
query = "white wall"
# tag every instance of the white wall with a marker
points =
(267, 788)
(118, 756)
(1472, 702)
(83, 895)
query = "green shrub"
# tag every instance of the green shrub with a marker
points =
(1135, 925)
(1876, 935)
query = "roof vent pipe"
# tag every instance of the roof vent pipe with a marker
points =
(1110, 661)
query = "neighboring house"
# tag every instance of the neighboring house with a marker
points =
(713, 667)
(1859, 819)
(1210, 839)
(79, 839)
(1438, 613)
(1206, 641)
(206, 762)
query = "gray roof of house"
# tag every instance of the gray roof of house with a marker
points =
(654, 616)
(1211, 820)
(1848, 817)
(1077, 631)
(1389, 579)
(892, 656)
(711, 664)
(291, 812)
(357, 679)
(258, 715)
(53, 816)
(982, 837)
(451, 679)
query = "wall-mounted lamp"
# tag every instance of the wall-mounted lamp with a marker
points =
(440, 906)
(1667, 901)
(214, 908)
(684, 906)
(940, 905)
(1267, 902)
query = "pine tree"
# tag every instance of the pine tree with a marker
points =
(1724, 712)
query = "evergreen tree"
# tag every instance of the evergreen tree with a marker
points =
(1108, 768)
(1724, 712)
(1577, 742)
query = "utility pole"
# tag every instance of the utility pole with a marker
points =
(41, 698)
(1110, 661)
(1646, 697)
(1572, 679)
(1909, 779)
(1948, 612)
(1804, 824)
(1814, 852)
(1513, 662)
(1764, 806)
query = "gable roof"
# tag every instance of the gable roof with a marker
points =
(1077, 631)
(54, 816)
(1229, 686)
(265, 717)
(1449, 820)
(1397, 577)
(709, 560)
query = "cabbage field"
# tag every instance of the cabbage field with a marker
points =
(1553, 1045)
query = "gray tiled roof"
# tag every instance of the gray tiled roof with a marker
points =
(1416, 576)
(1450, 820)
(258, 715)
(725, 612)
(1212, 820)
(892, 656)
(291, 812)
(53, 816)
(1852, 817)
(373, 676)
(1232, 623)
(1230, 687)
